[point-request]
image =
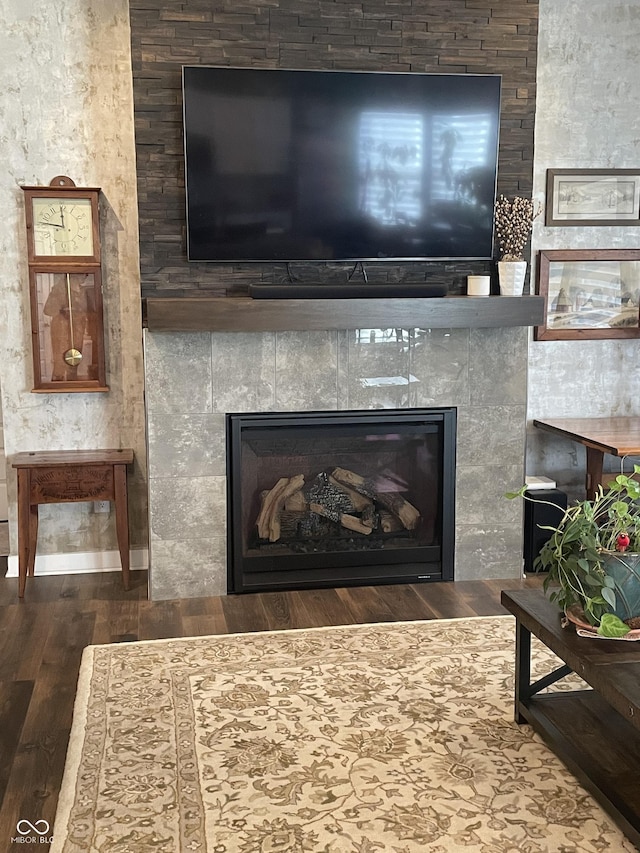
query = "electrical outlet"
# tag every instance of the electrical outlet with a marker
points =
(102, 506)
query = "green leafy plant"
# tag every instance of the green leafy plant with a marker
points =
(577, 553)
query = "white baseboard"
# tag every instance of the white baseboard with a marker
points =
(82, 562)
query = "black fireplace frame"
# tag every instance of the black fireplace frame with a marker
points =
(322, 570)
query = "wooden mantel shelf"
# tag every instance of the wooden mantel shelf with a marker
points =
(243, 314)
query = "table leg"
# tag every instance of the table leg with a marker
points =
(27, 530)
(595, 460)
(33, 539)
(523, 669)
(122, 519)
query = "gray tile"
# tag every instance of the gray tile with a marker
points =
(488, 551)
(186, 445)
(491, 433)
(192, 569)
(480, 494)
(306, 371)
(187, 508)
(243, 371)
(498, 366)
(178, 372)
(440, 363)
(379, 376)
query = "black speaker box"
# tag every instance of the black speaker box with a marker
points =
(348, 290)
(538, 515)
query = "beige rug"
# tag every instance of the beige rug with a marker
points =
(361, 739)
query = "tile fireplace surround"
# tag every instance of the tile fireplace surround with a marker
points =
(194, 378)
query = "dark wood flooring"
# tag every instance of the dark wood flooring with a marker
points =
(43, 636)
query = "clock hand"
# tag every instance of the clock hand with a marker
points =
(52, 224)
(61, 216)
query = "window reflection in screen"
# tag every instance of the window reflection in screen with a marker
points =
(461, 147)
(394, 186)
(391, 154)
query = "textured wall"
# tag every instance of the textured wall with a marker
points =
(310, 371)
(441, 36)
(588, 115)
(66, 108)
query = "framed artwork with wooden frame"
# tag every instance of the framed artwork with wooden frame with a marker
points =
(593, 197)
(589, 294)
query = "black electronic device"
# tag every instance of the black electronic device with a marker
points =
(347, 290)
(545, 508)
(284, 165)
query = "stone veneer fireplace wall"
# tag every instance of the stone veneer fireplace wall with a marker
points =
(194, 378)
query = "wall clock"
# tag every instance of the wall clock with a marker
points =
(62, 222)
(65, 287)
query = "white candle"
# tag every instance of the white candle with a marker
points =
(478, 285)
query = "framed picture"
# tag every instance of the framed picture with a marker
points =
(589, 294)
(593, 197)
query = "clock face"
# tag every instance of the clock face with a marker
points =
(62, 226)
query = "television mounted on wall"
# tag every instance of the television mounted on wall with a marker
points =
(284, 165)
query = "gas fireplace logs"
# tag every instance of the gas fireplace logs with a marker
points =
(269, 518)
(382, 491)
(343, 518)
(343, 497)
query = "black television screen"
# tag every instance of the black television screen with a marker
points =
(338, 165)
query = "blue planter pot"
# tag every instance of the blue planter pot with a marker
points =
(625, 570)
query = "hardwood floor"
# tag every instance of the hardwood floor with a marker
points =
(43, 636)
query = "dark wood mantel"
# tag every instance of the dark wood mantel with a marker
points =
(243, 314)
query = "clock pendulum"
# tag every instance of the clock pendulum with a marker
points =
(72, 356)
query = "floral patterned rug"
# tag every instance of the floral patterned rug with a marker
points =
(396, 737)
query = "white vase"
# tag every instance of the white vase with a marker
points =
(511, 275)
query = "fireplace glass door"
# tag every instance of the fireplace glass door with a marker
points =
(320, 499)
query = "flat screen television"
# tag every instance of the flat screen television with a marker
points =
(285, 165)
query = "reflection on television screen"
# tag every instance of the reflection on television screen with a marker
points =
(332, 165)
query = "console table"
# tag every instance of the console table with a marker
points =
(596, 733)
(615, 436)
(67, 476)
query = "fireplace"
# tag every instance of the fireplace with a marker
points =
(318, 499)
(192, 380)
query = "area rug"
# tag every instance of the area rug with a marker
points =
(394, 737)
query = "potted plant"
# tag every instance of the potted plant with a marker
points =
(513, 226)
(592, 557)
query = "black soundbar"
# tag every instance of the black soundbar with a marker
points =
(347, 290)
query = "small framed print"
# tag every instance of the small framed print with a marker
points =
(593, 197)
(589, 294)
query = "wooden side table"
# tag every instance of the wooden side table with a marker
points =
(617, 436)
(67, 476)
